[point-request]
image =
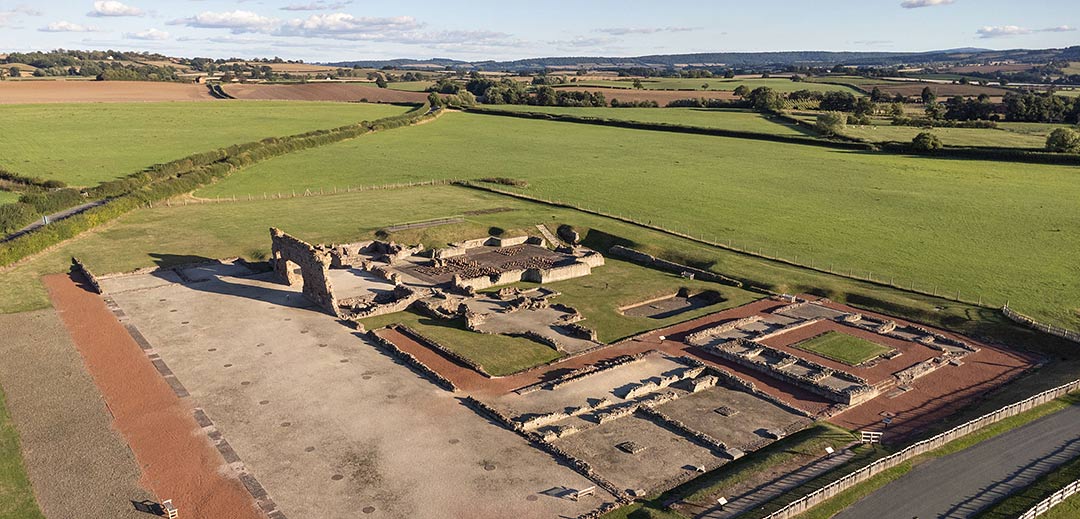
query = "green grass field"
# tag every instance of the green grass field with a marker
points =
(883, 131)
(990, 230)
(718, 84)
(7, 197)
(739, 120)
(842, 347)
(16, 497)
(83, 144)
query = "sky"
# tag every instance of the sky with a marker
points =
(337, 30)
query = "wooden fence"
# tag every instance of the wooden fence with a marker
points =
(1046, 504)
(1046, 328)
(836, 487)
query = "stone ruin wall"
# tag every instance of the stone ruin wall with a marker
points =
(313, 262)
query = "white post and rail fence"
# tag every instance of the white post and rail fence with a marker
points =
(836, 487)
(1046, 504)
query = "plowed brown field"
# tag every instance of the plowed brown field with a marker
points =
(44, 91)
(323, 92)
(662, 97)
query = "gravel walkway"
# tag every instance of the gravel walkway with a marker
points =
(78, 465)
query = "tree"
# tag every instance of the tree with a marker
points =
(742, 91)
(830, 124)
(935, 110)
(638, 85)
(877, 96)
(766, 99)
(704, 86)
(3, 74)
(1063, 140)
(380, 82)
(928, 96)
(15, 72)
(864, 107)
(896, 110)
(926, 142)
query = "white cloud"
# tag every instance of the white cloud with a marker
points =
(8, 15)
(236, 21)
(1003, 31)
(582, 42)
(64, 26)
(114, 8)
(622, 31)
(149, 34)
(317, 5)
(347, 26)
(915, 4)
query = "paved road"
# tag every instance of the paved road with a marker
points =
(961, 484)
(52, 218)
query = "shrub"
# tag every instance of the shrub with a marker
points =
(830, 123)
(1063, 140)
(926, 142)
(52, 201)
(16, 216)
(505, 181)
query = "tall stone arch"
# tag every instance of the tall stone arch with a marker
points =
(290, 254)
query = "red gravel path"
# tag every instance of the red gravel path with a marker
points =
(178, 461)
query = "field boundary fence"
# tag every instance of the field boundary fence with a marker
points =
(756, 252)
(833, 489)
(1018, 317)
(1055, 499)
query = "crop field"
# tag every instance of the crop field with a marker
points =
(884, 131)
(718, 84)
(842, 347)
(345, 92)
(34, 90)
(410, 86)
(53, 140)
(740, 120)
(995, 231)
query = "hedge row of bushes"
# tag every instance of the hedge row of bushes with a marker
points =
(926, 122)
(701, 102)
(183, 176)
(679, 128)
(30, 181)
(997, 154)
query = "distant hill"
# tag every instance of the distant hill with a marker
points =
(743, 59)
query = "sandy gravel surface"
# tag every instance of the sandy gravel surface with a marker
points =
(177, 459)
(26, 92)
(75, 459)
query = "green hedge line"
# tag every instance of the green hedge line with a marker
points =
(185, 175)
(999, 154)
(679, 128)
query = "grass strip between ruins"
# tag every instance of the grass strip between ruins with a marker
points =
(1022, 501)
(845, 499)
(842, 347)
(16, 497)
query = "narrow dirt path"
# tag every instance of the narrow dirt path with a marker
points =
(177, 460)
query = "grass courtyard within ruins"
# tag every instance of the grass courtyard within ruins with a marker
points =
(1001, 231)
(84, 144)
(842, 347)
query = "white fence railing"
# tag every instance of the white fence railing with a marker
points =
(832, 489)
(1046, 504)
(1046, 328)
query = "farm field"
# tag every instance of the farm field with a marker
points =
(884, 131)
(53, 142)
(740, 120)
(410, 86)
(89, 91)
(995, 231)
(717, 84)
(348, 92)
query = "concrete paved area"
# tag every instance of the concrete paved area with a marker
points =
(78, 465)
(330, 426)
(961, 484)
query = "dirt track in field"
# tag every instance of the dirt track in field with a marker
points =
(177, 459)
(43, 91)
(323, 92)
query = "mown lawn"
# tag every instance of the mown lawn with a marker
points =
(86, 143)
(410, 86)
(991, 230)
(842, 347)
(16, 497)
(739, 120)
